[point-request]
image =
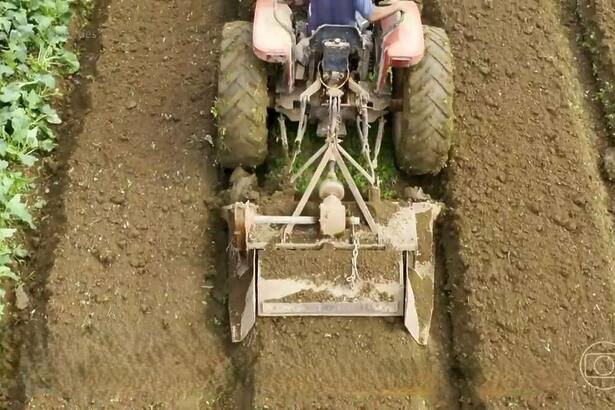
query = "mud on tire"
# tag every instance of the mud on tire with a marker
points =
(242, 102)
(423, 130)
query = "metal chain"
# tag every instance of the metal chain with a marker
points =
(353, 278)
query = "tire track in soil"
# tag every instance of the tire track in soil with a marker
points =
(127, 315)
(531, 239)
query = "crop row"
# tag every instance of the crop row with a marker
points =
(33, 35)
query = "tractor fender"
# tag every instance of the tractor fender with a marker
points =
(404, 45)
(271, 40)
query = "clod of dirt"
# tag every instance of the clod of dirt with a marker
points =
(383, 210)
(416, 194)
(35, 242)
(131, 104)
(104, 256)
(22, 301)
(608, 162)
(237, 174)
(278, 203)
(186, 199)
(136, 261)
(534, 208)
(52, 166)
(254, 195)
(243, 185)
(117, 198)
(165, 324)
(170, 117)
(484, 70)
(213, 202)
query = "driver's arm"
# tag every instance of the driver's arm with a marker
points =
(374, 13)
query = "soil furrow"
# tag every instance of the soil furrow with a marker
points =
(533, 269)
(595, 27)
(598, 20)
(130, 318)
(595, 82)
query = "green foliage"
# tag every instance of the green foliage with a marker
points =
(32, 55)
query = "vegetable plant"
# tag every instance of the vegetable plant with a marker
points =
(33, 35)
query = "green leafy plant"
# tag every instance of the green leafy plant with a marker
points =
(33, 34)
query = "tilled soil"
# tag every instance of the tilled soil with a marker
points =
(533, 272)
(331, 265)
(342, 363)
(128, 321)
(347, 363)
(127, 307)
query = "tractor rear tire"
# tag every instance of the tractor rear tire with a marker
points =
(423, 130)
(241, 107)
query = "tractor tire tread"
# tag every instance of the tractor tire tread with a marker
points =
(241, 106)
(424, 137)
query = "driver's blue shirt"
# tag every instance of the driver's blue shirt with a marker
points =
(342, 12)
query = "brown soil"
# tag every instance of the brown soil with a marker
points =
(128, 296)
(352, 363)
(126, 318)
(343, 363)
(330, 265)
(530, 251)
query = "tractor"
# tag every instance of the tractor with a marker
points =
(331, 256)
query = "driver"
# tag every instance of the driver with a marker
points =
(344, 12)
